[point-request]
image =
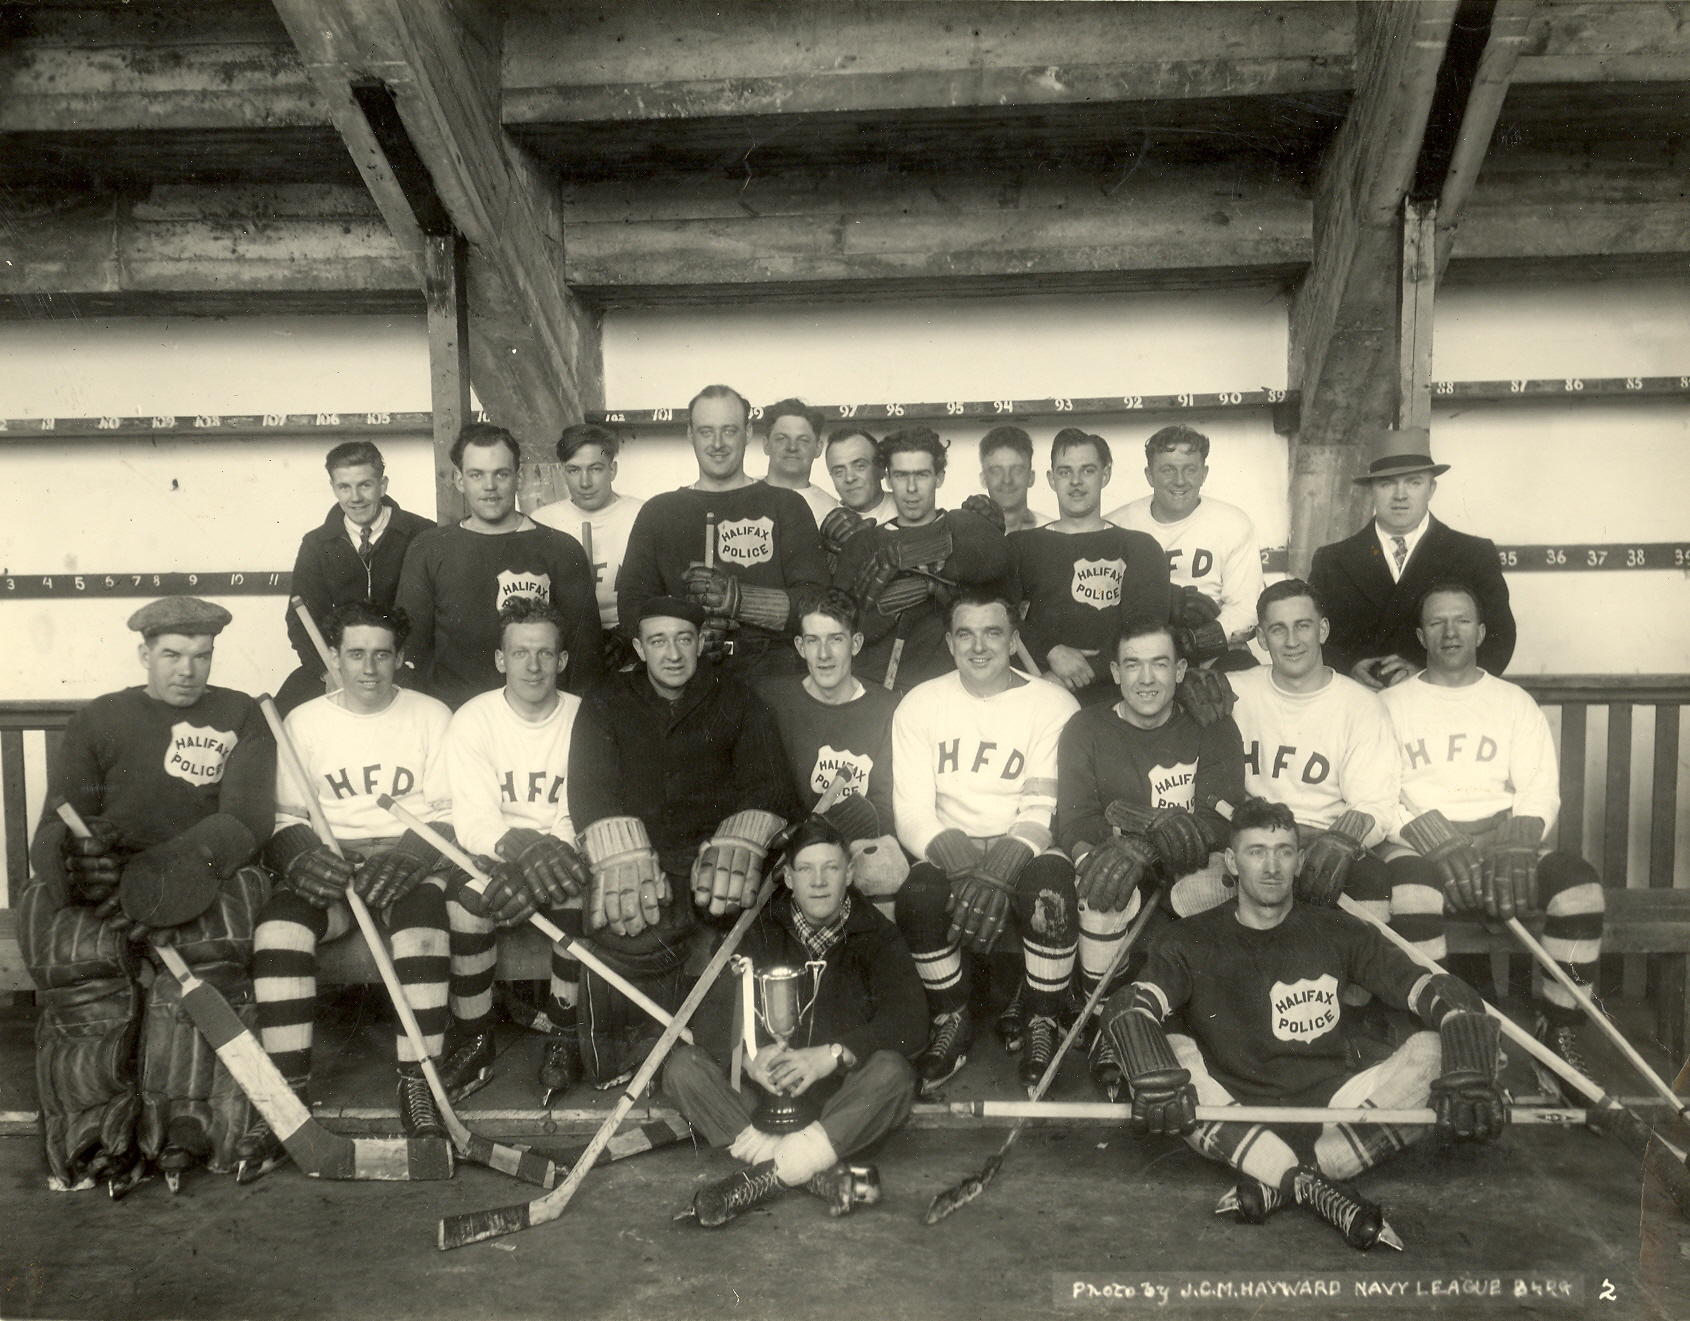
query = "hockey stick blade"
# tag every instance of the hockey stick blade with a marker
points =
(316, 1151)
(514, 1161)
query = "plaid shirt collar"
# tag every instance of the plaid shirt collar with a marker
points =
(819, 938)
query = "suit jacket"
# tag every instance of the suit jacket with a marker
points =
(1372, 615)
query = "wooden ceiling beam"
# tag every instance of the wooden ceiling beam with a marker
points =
(533, 347)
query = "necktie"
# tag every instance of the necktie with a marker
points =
(1400, 554)
(366, 547)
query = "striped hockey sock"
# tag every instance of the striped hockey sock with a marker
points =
(421, 957)
(474, 954)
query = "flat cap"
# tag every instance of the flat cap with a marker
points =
(672, 607)
(187, 615)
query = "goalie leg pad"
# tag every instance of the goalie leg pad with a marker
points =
(85, 1046)
(188, 1097)
(224, 932)
(1133, 1019)
(612, 1033)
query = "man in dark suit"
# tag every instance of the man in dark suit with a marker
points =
(1372, 583)
(354, 556)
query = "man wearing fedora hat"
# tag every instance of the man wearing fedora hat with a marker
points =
(1371, 583)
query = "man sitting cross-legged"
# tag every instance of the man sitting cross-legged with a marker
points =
(369, 739)
(1257, 983)
(1480, 790)
(974, 794)
(508, 756)
(1137, 784)
(851, 1051)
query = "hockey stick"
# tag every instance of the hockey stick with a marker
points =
(520, 1164)
(478, 883)
(476, 1226)
(1026, 657)
(633, 1141)
(1582, 997)
(318, 641)
(960, 1194)
(318, 1152)
(1249, 1114)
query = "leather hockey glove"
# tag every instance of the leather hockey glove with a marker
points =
(1164, 1101)
(176, 881)
(730, 862)
(1328, 858)
(551, 869)
(1200, 645)
(307, 866)
(1205, 695)
(722, 595)
(954, 853)
(979, 902)
(388, 876)
(506, 897)
(839, 526)
(1511, 868)
(1111, 872)
(1189, 607)
(1465, 1096)
(629, 889)
(1176, 833)
(986, 508)
(1452, 856)
(92, 868)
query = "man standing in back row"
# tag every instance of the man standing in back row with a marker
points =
(457, 578)
(1372, 582)
(594, 508)
(746, 553)
(792, 441)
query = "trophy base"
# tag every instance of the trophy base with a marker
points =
(785, 1114)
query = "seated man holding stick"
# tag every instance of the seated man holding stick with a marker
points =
(1256, 983)
(850, 1054)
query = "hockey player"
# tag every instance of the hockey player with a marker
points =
(677, 784)
(745, 552)
(1480, 790)
(1372, 582)
(175, 780)
(1158, 774)
(905, 574)
(456, 578)
(1321, 744)
(507, 754)
(1258, 983)
(354, 556)
(1211, 546)
(588, 455)
(1006, 471)
(851, 1053)
(792, 442)
(369, 739)
(853, 462)
(832, 724)
(1081, 576)
(974, 795)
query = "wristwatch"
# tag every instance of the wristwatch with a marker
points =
(838, 1052)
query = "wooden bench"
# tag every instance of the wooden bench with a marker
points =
(1647, 939)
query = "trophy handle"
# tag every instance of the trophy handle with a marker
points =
(817, 968)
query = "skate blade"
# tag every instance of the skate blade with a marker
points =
(119, 1188)
(249, 1171)
(615, 1082)
(470, 1086)
(691, 1213)
(173, 1181)
(1388, 1237)
(1229, 1203)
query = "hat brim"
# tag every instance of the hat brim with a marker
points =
(1436, 469)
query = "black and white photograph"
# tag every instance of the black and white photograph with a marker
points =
(953, 660)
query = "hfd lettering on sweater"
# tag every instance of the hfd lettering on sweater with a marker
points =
(1460, 747)
(1288, 761)
(533, 787)
(197, 754)
(513, 584)
(1097, 583)
(1306, 1009)
(745, 541)
(368, 781)
(980, 757)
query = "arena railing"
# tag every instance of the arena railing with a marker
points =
(1628, 820)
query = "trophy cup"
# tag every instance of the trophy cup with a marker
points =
(780, 1006)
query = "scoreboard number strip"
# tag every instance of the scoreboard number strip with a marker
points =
(207, 425)
(1564, 558)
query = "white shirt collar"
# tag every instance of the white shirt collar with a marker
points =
(1387, 543)
(354, 533)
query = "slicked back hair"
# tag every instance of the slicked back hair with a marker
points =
(1143, 626)
(1260, 814)
(845, 433)
(913, 440)
(1007, 438)
(485, 435)
(978, 596)
(795, 408)
(1072, 438)
(355, 454)
(587, 433)
(1284, 590)
(529, 610)
(366, 614)
(1171, 438)
(719, 392)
